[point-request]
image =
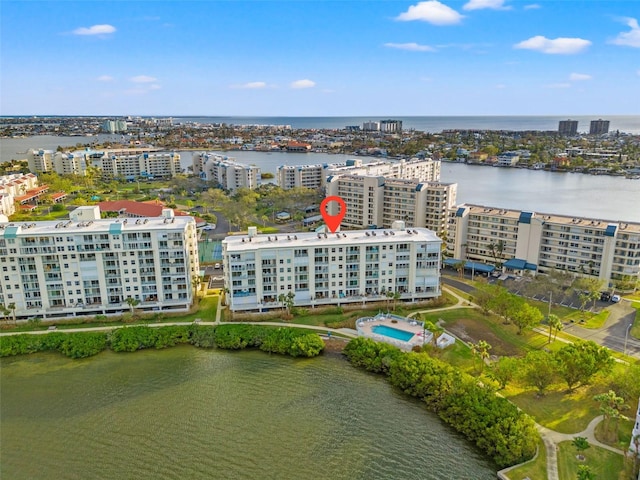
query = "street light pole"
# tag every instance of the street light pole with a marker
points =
(550, 297)
(626, 336)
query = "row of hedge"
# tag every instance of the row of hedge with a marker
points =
(494, 424)
(283, 340)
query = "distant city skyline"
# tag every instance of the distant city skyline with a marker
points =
(314, 58)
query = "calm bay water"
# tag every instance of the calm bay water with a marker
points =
(189, 413)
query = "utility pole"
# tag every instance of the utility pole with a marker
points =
(626, 336)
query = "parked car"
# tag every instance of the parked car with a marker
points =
(615, 298)
(605, 297)
(216, 266)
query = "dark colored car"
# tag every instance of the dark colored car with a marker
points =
(605, 297)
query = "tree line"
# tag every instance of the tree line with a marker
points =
(290, 341)
(501, 430)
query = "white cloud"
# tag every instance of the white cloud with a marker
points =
(155, 86)
(576, 77)
(630, 38)
(298, 84)
(253, 85)
(105, 78)
(143, 79)
(95, 30)
(432, 12)
(413, 47)
(562, 46)
(559, 85)
(482, 4)
(532, 6)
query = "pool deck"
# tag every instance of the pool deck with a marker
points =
(365, 328)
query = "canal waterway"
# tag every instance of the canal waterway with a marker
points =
(198, 414)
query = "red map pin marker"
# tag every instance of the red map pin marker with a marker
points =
(333, 221)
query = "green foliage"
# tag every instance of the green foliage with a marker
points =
(202, 336)
(581, 443)
(494, 424)
(626, 382)
(540, 370)
(73, 345)
(130, 339)
(578, 362)
(504, 370)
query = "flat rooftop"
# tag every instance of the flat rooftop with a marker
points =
(310, 239)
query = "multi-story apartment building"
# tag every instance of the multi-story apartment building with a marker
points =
(521, 240)
(336, 268)
(391, 126)
(375, 201)
(134, 163)
(293, 176)
(88, 266)
(635, 434)
(568, 128)
(114, 126)
(314, 176)
(599, 127)
(225, 171)
(126, 163)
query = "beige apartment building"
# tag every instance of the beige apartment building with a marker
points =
(540, 242)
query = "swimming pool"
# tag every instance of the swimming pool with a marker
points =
(392, 332)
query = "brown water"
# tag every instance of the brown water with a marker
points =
(185, 413)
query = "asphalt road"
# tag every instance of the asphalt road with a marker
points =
(612, 335)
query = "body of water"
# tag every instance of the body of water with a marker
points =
(623, 123)
(188, 413)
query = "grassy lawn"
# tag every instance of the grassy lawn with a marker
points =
(206, 311)
(471, 325)
(604, 464)
(557, 409)
(635, 330)
(622, 437)
(535, 469)
(588, 319)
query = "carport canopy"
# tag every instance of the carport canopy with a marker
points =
(519, 264)
(468, 265)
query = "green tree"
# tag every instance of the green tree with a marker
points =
(554, 323)
(4, 311)
(585, 473)
(526, 316)
(480, 350)
(12, 309)
(133, 303)
(540, 370)
(581, 444)
(435, 329)
(611, 406)
(504, 370)
(578, 362)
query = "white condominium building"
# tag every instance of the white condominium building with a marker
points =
(314, 176)
(333, 268)
(225, 171)
(309, 176)
(521, 240)
(375, 201)
(127, 163)
(88, 266)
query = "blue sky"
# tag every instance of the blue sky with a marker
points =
(320, 58)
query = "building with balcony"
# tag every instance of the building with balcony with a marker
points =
(88, 266)
(635, 433)
(330, 269)
(314, 176)
(225, 171)
(519, 240)
(568, 128)
(375, 201)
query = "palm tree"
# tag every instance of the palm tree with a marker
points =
(4, 311)
(12, 308)
(481, 350)
(132, 302)
(554, 324)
